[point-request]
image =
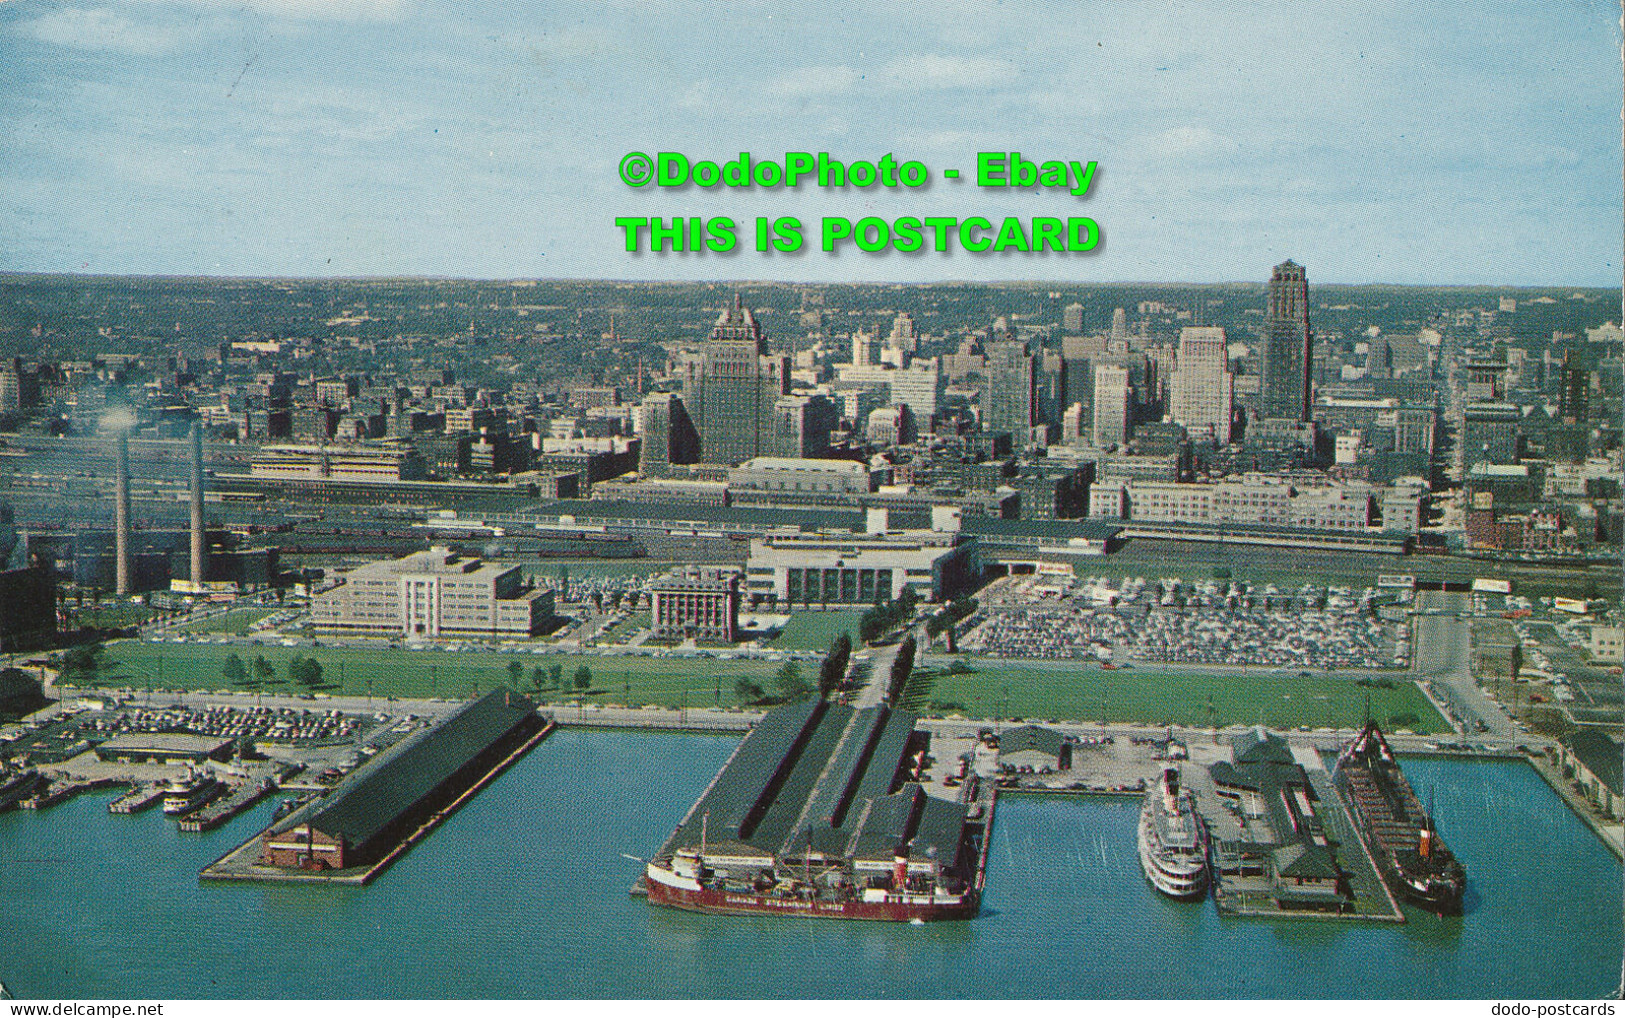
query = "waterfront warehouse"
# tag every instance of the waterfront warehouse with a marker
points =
(1270, 836)
(370, 813)
(819, 812)
(166, 748)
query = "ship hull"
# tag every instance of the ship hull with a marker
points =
(1183, 883)
(716, 902)
(1390, 821)
(1441, 897)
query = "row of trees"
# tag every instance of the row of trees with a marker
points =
(882, 618)
(305, 671)
(792, 685)
(550, 677)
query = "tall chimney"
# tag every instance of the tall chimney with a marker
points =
(121, 514)
(199, 551)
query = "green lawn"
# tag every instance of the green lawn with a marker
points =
(1005, 689)
(994, 689)
(426, 673)
(112, 616)
(813, 630)
(235, 622)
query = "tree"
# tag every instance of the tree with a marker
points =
(791, 685)
(833, 670)
(555, 676)
(233, 670)
(264, 671)
(83, 664)
(306, 671)
(583, 677)
(538, 675)
(516, 672)
(747, 691)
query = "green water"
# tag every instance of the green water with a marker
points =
(523, 894)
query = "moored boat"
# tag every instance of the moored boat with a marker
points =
(1410, 855)
(191, 792)
(1172, 839)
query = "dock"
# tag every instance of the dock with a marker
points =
(139, 799)
(61, 791)
(227, 806)
(243, 862)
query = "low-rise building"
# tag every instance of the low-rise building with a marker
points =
(696, 603)
(808, 569)
(434, 593)
(1592, 761)
(1034, 748)
(165, 748)
(348, 464)
(1605, 644)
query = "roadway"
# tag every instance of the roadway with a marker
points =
(1443, 655)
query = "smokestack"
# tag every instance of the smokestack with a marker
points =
(121, 513)
(199, 552)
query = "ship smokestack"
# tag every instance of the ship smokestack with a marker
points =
(199, 551)
(899, 870)
(121, 515)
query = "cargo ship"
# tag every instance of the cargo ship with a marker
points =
(1173, 842)
(821, 812)
(1410, 855)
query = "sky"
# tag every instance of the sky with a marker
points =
(1400, 143)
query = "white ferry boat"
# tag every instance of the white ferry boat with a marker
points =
(1173, 842)
(192, 792)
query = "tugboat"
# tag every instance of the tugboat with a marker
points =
(191, 792)
(1173, 842)
(1411, 856)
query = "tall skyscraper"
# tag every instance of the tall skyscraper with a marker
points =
(1288, 346)
(1112, 405)
(668, 435)
(1010, 393)
(1203, 389)
(1072, 319)
(1120, 325)
(733, 389)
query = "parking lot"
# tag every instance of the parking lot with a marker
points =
(1180, 622)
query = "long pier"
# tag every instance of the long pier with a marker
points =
(241, 863)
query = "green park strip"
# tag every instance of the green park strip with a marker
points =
(626, 680)
(1199, 698)
(992, 689)
(235, 623)
(813, 630)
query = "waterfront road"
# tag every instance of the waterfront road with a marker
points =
(1444, 657)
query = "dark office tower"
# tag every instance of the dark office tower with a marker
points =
(200, 553)
(1288, 354)
(668, 435)
(1573, 394)
(121, 515)
(732, 394)
(1010, 392)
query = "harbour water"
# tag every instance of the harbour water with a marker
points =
(523, 893)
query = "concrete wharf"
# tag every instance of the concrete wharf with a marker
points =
(139, 799)
(224, 808)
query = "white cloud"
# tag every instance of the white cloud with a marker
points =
(104, 30)
(809, 82)
(1185, 143)
(303, 10)
(934, 71)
